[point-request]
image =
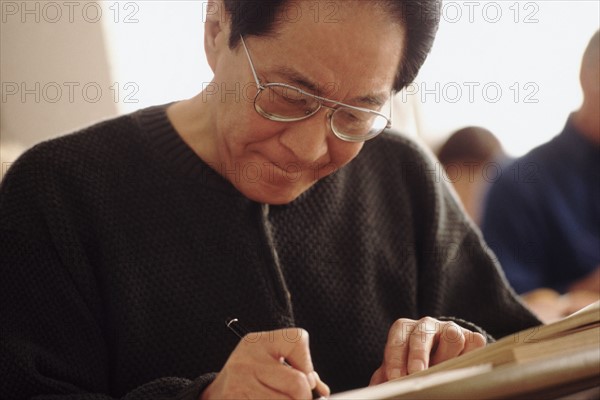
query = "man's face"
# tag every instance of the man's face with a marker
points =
(348, 54)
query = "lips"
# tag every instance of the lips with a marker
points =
(289, 164)
(275, 161)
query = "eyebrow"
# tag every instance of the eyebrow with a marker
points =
(293, 76)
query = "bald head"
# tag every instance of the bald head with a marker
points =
(587, 118)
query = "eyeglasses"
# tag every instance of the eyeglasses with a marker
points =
(286, 103)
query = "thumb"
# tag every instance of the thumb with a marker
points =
(292, 344)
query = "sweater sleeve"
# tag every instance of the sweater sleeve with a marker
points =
(52, 336)
(459, 276)
(51, 345)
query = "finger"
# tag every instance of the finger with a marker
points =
(396, 349)
(321, 386)
(285, 381)
(421, 343)
(292, 345)
(238, 381)
(271, 349)
(451, 342)
(378, 376)
(474, 341)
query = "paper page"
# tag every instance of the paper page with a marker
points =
(407, 385)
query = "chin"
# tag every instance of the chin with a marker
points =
(272, 194)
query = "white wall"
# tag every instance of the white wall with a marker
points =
(157, 49)
(512, 67)
(53, 72)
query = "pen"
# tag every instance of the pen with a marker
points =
(240, 331)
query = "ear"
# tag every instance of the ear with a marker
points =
(216, 31)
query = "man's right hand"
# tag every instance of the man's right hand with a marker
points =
(255, 368)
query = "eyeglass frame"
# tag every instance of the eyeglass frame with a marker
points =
(260, 87)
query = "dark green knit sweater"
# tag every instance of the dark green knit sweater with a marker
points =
(122, 253)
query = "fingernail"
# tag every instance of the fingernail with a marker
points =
(415, 366)
(395, 373)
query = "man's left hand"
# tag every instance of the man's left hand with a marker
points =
(413, 346)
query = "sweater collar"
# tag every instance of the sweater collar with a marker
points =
(179, 157)
(577, 146)
(184, 162)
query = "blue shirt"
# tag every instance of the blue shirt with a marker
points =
(542, 216)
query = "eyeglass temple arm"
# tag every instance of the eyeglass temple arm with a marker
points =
(250, 62)
(389, 124)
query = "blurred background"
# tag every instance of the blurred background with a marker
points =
(509, 66)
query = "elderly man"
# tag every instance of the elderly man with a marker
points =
(127, 246)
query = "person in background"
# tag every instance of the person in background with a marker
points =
(542, 218)
(467, 155)
(275, 197)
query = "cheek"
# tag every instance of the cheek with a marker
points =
(345, 152)
(243, 126)
(341, 153)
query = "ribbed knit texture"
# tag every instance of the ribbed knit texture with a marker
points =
(122, 253)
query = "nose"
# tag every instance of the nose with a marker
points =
(308, 139)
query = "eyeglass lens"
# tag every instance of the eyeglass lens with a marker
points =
(284, 103)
